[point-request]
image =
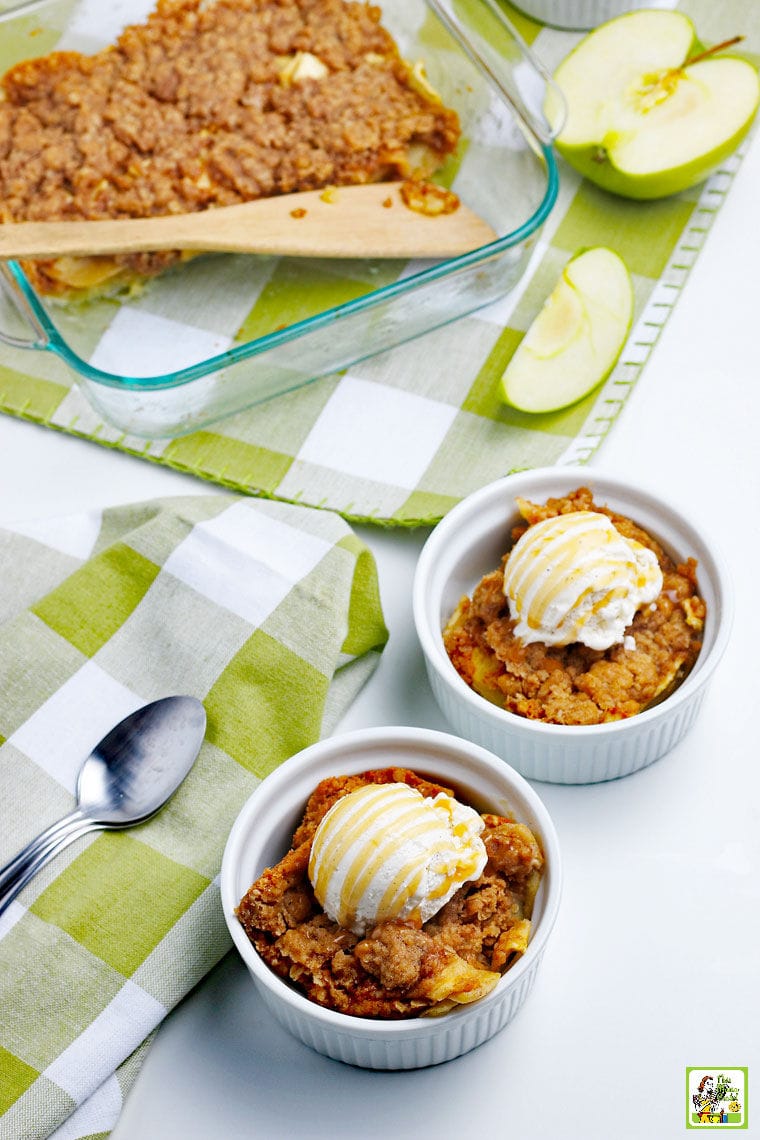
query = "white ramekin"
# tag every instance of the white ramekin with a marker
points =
(262, 834)
(470, 541)
(581, 15)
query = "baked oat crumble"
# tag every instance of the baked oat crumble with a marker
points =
(210, 105)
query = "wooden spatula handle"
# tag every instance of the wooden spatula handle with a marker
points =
(352, 221)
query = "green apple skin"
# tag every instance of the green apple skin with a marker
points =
(645, 187)
(577, 337)
(595, 157)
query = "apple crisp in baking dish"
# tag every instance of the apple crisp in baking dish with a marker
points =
(205, 105)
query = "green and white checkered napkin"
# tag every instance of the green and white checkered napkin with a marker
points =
(267, 612)
(397, 439)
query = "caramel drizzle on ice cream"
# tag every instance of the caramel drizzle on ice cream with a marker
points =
(386, 851)
(574, 577)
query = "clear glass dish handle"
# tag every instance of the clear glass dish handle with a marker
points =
(488, 37)
(16, 314)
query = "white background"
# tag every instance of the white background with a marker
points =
(653, 965)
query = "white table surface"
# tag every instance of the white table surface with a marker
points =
(653, 965)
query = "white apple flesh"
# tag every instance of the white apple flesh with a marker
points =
(576, 338)
(643, 122)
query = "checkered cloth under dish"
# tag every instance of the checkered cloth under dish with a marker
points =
(398, 439)
(267, 612)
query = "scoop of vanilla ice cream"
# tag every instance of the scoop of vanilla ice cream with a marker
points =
(577, 578)
(386, 851)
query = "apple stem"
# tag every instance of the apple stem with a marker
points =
(713, 50)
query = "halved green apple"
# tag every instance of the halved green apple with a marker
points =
(641, 119)
(576, 338)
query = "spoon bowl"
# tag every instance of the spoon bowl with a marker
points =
(127, 778)
(140, 763)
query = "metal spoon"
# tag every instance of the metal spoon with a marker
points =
(126, 778)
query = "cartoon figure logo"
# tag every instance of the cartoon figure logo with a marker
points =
(716, 1098)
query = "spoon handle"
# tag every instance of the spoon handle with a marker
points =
(20, 869)
(30, 869)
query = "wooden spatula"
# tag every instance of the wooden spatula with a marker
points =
(351, 221)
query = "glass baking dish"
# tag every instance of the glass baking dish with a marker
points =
(128, 352)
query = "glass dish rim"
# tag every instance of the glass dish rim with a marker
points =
(50, 339)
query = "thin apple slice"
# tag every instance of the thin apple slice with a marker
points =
(641, 120)
(576, 338)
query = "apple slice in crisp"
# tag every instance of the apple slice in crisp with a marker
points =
(574, 342)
